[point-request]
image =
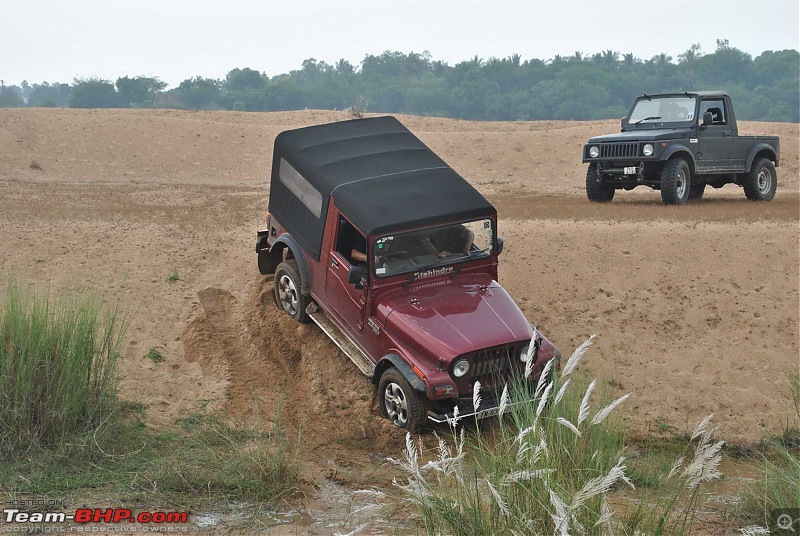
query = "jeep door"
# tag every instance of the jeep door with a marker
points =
(344, 298)
(714, 140)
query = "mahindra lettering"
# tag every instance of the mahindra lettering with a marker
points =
(678, 143)
(393, 255)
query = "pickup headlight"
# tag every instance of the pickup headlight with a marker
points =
(647, 150)
(594, 151)
(523, 353)
(461, 368)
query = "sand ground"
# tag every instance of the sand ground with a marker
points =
(696, 307)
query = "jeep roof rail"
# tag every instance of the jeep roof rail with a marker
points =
(380, 175)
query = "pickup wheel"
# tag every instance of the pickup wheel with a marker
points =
(696, 190)
(762, 181)
(288, 293)
(675, 182)
(400, 403)
(596, 190)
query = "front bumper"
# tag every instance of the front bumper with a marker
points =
(489, 408)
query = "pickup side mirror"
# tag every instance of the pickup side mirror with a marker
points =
(499, 245)
(354, 275)
(708, 118)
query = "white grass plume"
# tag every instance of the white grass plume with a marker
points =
(503, 401)
(519, 476)
(753, 530)
(576, 356)
(476, 396)
(700, 429)
(583, 412)
(543, 400)
(501, 503)
(707, 457)
(531, 348)
(544, 377)
(452, 422)
(560, 517)
(561, 392)
(600, 485)
(569, 425)
(603, 413)
(676, 467)
(606, 515)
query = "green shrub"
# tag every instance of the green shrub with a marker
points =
(58, 358)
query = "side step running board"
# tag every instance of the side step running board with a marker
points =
(341, 340)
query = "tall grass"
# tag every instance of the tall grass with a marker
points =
(777, 482)
(547, 466)
(58, 358)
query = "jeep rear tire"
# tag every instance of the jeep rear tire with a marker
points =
(400, 403)
(596, 190)
(288, 291)
(762, 181)
(696, 190)
(675, 182)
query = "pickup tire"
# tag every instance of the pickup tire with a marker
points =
(288, 293)
(675, 182)
(762, 181)
(596, 190)
(400, 403)
(696, 190)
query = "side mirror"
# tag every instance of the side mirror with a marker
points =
(355, 274)
(708, 118)
(622, 125)
(499, 245)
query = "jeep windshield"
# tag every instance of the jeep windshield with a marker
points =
(663, 110)
(432, 249)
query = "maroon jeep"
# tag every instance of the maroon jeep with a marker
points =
(394, 255)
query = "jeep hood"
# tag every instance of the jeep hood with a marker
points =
(643, 135)
(450, 317)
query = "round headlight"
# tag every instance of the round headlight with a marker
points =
(461, 368)
(594, 151)
(647, 150)
(523, 354)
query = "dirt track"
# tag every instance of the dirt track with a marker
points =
(696, 307)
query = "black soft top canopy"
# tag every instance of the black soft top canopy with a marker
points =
(381, 176)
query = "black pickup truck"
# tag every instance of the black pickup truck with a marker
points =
(678, 143)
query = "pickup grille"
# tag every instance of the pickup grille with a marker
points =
(492, 363)
(619, 150)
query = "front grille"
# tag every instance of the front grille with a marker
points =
(492, 363)
(619, 150)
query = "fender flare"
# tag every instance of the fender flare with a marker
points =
(757, 149)
(286, 240)
(681, 150)
(394, 360)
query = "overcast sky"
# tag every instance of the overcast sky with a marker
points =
(58, 40)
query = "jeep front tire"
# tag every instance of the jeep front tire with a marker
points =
(400, 403)
(288, 291)
(596, 189)
(675, 182)
(762, 181)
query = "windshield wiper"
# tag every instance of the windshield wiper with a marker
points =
(470, 255)
(421, 269)
(648, 119)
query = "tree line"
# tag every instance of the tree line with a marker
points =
(576, 87)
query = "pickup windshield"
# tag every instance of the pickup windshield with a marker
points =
(663, 110)
(430, 248)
